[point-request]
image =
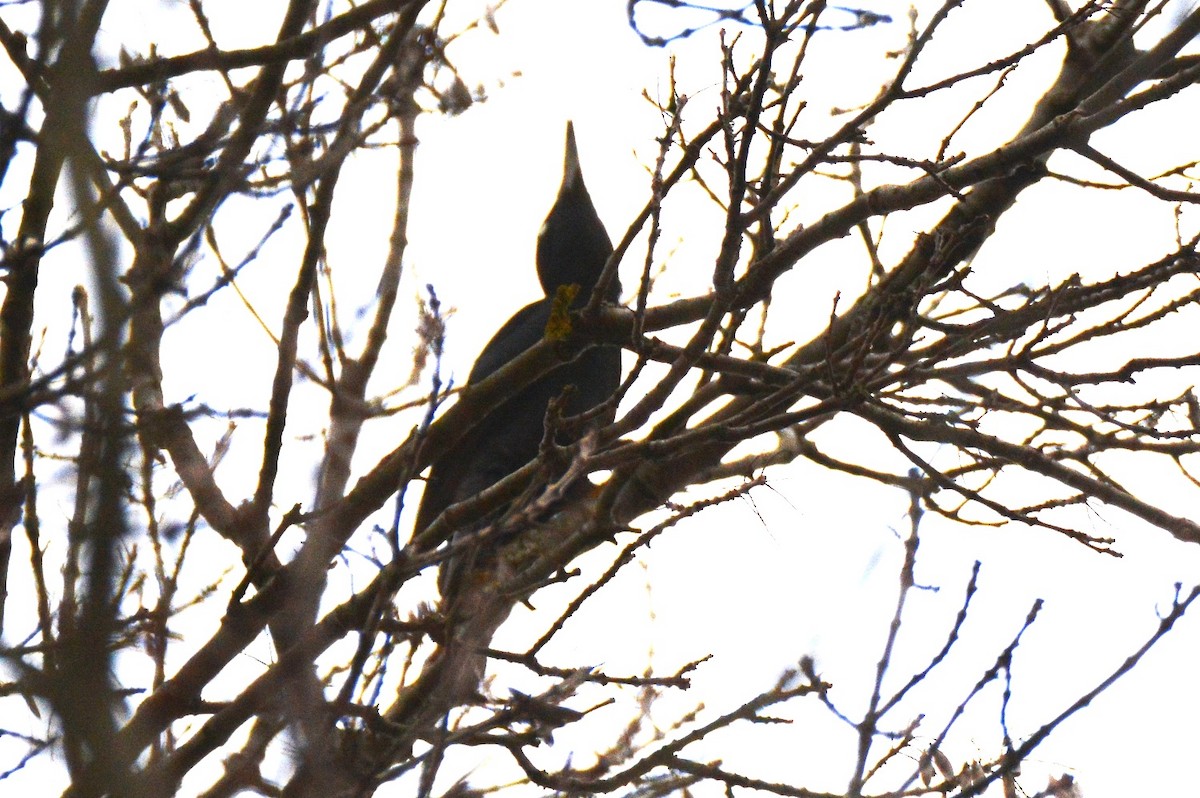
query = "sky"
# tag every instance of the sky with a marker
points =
(808, 565)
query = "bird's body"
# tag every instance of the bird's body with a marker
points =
(512, 433)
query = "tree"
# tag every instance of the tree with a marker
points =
(1009, 401)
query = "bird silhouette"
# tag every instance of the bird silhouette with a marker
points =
(572, 250)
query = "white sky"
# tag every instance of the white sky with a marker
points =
(808, 567)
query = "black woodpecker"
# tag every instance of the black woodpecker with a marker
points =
(572, 249)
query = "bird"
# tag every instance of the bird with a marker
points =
(572, 251)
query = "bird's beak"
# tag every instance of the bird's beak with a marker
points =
(571, 170)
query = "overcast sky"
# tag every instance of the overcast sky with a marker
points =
(808, 566)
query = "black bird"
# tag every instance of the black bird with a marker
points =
(572, 249)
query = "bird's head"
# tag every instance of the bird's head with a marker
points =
(573, 246)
